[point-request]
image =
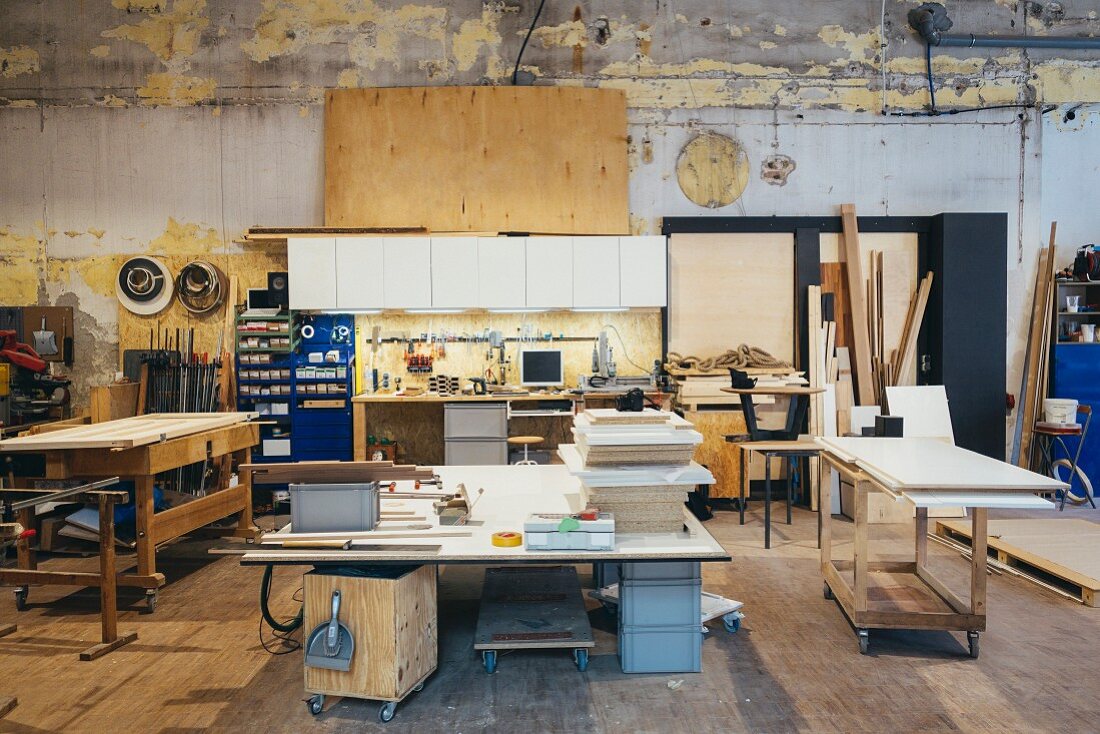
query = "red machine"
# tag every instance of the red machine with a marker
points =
(34, 391)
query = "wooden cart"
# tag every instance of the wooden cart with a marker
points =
(140, 448)
(926, 473)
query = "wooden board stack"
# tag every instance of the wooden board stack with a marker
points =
(637, 466)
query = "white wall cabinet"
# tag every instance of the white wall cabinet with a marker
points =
(311, 268)
(549, 272)
(454, 272)
(366, 273)
(643, 272)
(502, 272)
(407, 268)
(360, 283)
(595, 272)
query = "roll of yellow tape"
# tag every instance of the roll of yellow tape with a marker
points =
(507, 539)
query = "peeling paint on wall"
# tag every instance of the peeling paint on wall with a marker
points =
(171, 35)
(18, 60)
(166, 88)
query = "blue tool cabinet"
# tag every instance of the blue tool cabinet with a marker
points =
(322, 385)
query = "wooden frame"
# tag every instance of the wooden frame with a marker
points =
(865, 614)
(141, 464)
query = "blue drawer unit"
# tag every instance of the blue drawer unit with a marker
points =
(265, 344)
(1075, 377)
(323, 380)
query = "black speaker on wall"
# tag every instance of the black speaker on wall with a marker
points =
(278, 289)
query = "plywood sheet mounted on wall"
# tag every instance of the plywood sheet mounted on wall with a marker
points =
(477, 159)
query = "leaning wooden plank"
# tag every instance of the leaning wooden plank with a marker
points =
(857, 307)
(908, 359)
(320, 472)
(1035, 352)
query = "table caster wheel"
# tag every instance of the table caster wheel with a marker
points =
(580, 657)
(828, 592)
(151, 602)
(972, 639)
(732, 623)
(316, 703)
(386, 711)
(418, 687)
(864, 641)
(489, 657)
(21, 598)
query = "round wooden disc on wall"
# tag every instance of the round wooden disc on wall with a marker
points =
(712, 170)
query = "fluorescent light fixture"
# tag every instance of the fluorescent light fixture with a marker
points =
(518, 310)
(353, 311)
(607, 309)
(435, 310)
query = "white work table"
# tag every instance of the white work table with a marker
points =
(926, 472)
(511, 493)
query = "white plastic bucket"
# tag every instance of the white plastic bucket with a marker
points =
(1060, 411)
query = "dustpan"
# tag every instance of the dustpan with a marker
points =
(331, 645)
(45, 342)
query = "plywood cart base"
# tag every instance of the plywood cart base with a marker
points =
(532, 608)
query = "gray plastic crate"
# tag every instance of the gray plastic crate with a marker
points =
(659, 603)
(661, 649)
(661, 570)
(333, 508)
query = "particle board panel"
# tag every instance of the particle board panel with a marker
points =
(731, 289)
(550, 160)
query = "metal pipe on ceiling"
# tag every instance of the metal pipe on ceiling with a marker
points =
(930, 21)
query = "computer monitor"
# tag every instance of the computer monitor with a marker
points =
(541, 368)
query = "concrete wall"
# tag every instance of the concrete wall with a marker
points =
(171, 125)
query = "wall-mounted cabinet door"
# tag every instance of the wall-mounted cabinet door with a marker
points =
(311, 268)
(549, 272)
(502, 272)
(359, 279)
(407, 268)
(596, 272)
(454, 272)
(643, 272)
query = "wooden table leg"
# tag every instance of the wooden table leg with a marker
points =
(979, 546)
(922, 536)
(143, 507)
(359, 431)
(245, 523)
(108, 602)
(23, 548)
(824, 504)
(859, 549)
(746, 456)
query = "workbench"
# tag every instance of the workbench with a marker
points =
(366, 408)
(502, 497)
(139, 448)
(925, 472)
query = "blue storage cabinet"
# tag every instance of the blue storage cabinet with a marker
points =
(1076, 376)
(265, 345)
(322, 390)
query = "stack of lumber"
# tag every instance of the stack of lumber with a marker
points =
(696, 389)
(636, 466)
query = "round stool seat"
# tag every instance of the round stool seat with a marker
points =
(524, 440)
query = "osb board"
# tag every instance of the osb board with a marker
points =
(1066, 548)
(722, 458)
(416, 427)
(462, 159)
(900, 280)
(250, 266)
(731, 289)
(640, 330)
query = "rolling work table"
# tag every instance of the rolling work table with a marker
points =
(925, 472)
(365, 403)
(500, 498)
(139, 448)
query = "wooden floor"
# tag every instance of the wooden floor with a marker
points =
(794, 666)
